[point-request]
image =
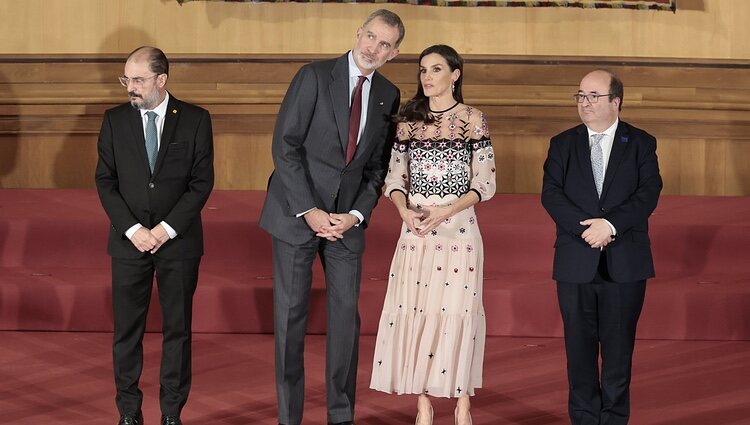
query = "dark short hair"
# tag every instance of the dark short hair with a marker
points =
(616, 90)
(157, 60)
(391, 19)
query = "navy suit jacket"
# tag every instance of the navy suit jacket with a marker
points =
(182, 180)
(309, 152)
(629, 195)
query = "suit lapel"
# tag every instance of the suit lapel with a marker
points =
(136, 125)
(619, 146)
(170, 122)
(339, 92)
(584, 157)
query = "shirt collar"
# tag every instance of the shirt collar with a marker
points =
(354, 70)
(610, 132)
(161, 109)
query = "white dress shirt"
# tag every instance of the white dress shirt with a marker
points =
(161, 112)
(607, 141)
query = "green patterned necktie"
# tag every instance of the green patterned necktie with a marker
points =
(151, 146)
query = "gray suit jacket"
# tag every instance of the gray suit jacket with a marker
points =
(309, 152)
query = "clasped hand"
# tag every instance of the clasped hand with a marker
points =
(598, 234)
(424, 222)
(149, 240)
(331, 226)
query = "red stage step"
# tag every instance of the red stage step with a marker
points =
(54, 271)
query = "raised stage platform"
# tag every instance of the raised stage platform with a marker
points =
(54, 271)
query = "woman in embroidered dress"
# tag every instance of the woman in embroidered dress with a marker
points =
(432, 330)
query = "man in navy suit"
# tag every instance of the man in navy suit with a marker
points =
(331, 146)
(601, 184)
(155, 173)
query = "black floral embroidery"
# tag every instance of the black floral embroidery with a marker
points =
(441, 164)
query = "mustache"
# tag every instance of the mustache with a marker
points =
(133, 94)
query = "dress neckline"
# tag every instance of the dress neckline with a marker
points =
(444, 110)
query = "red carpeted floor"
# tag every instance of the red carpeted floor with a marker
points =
(66, 378)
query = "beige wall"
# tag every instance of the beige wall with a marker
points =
(709, 29)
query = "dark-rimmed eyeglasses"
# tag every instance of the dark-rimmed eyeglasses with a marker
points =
(593, 98)
(137, 81)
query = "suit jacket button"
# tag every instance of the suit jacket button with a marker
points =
(151, 185)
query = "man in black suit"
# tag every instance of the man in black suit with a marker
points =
(155, 173)
(330, 152)
(601, 183)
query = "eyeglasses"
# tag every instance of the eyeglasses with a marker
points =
(137, 81)
(593, 98)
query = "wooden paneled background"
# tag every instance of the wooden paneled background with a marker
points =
(686, 78)
(699, 29)
(51, 109)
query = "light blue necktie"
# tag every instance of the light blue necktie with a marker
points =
(151, 146)
(597, 161)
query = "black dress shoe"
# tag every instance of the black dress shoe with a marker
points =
(170, 420)
(131, 419)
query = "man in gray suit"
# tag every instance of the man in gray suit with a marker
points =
(330, 152)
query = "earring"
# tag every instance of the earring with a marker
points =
(453, 86)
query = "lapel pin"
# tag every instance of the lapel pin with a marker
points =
(381, 103)
(624, 139)
(174, 111)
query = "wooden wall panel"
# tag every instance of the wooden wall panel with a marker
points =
(51, 109)
(47, 160)
(243, 161)
(736, 174)
(700, 28)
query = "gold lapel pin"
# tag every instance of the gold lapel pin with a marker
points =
(174, 111)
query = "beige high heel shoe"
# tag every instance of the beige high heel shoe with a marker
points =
(455, 417)
(416, 422)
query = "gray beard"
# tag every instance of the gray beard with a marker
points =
(144, 103)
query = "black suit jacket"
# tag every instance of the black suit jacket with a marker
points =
(176, 192)
(309, 152)
(629, 195)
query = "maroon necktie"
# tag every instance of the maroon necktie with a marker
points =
(354, 115)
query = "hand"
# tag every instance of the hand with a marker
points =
(598, 235)
(412, 219)
(143, 240)
(340, 223)
(432, 218)
(316, 219)
(160, 234)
